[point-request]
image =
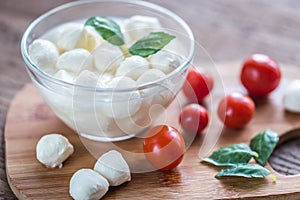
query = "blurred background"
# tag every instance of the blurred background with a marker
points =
(230, 30)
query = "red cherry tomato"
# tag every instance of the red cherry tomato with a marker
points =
(164, 147)
(193, 118)
(236, 110)
(197, 85)
(260, 75)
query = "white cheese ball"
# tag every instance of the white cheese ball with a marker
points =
(43, 54)
(75, 60)
(64, 76)
(150, 75)
(87, 78)
(87, 184)
(107, 57)
(53, 149)
(164, 61)
(120, 105)
(89, 39)
(113, 167)
(106, 77)
(291, 98)
(139, 26)
(66, 36)
(133, 67)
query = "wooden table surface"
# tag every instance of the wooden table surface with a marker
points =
(228, 30)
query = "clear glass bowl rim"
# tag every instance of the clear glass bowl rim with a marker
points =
(155, 7)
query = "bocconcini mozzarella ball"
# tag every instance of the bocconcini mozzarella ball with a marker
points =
(292, 97)
(113, 167)
(43, 54)
(121, 104)
(75, 60)
(107, 57)
(164, 61)
(139, 26)
(86, 184)
(66, 36)
(89, 39)
(133, 67)
(64, 75)
(53, 149)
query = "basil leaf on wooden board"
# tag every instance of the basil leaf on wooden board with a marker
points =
(231, 155)
(108, 29)
(264, 144)
(150, 44)
(248, 171)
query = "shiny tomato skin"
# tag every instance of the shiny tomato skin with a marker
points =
(236, 110)
(260, 75)
(197, 85)
(164, 147)
(193, 118)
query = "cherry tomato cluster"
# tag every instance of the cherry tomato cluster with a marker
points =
(164, 146)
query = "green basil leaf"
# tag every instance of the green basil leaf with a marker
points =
(248, 171)
(231, 155)
(150, 44)
(108, 29)
(264, 144)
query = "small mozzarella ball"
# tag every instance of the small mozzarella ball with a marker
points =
(87, 184)
(87, 78)
(89, 120)
(121, 104)
(106, 77)
(66, 36)
(292, 97)
(64, 76)
(89, 39)
(136, 123)
(53, 149)
(107, 57)
(147, 77)
(121, 82)
(139, 26)
(133, 67)
(43, 54)
(75, 60)
(150, 76)
(113, 167)
(164, 61)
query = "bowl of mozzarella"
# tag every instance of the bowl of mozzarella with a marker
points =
(101, 66)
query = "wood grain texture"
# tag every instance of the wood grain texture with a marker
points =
(192, 179)
(228, 30)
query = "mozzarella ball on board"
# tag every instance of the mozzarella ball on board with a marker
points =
(113, 167)
(133, 67)
(86, 184)
(43, 54)
(53, 149)
(164, 61)
(291, 98)
(75, 60)
(107, 57)
(139, 26)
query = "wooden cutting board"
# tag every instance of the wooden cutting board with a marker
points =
(29, 118)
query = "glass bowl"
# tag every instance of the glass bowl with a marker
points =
(109, 114)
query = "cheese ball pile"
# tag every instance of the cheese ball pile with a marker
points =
(73, 51)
